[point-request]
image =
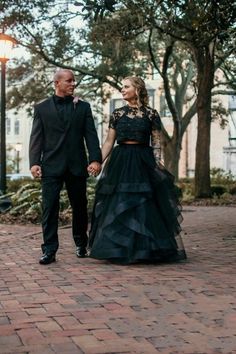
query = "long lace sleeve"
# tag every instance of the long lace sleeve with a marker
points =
(156, 136)
(156, 144)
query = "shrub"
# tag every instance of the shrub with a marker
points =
(26, 200)
(220, 176)
(15, 185)
(218, 190)
(232, 189)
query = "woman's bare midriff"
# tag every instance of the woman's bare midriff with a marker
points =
(131, 142)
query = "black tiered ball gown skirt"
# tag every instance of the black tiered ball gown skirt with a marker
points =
(136, 215)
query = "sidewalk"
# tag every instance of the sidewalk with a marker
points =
(86, 306)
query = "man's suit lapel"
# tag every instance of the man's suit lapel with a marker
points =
(70, 117)
(75, 113)
(55, 114)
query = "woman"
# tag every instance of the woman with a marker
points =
(136, 215)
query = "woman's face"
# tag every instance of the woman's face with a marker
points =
(128, 91)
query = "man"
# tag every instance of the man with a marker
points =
(62, 125)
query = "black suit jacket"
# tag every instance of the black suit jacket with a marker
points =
(56, 146)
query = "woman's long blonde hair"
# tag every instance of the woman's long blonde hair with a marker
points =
(139, 85)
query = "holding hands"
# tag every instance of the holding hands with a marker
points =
(94, 168)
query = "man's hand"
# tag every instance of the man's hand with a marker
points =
(36, 171)
(94, 168)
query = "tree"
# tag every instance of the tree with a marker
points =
(119, 51)
(129, 48)
(205, 29)
(177, 72)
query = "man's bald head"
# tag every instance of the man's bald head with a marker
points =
(60, 73)
(64, 82)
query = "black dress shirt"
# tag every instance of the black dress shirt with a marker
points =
(64, 106)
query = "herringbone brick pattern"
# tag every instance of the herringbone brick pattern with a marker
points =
(86, 306)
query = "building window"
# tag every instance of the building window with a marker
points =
(164, 110)
(116, 103)
(17, 127)
(155, 74)
(232, 121)
(8, 126)
(151, 95)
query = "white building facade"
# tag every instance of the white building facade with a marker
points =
(229, 150)
(18, 129)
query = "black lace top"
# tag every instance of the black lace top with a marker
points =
(134, 123)
(138, 124)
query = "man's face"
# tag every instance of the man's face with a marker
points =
(65, 84)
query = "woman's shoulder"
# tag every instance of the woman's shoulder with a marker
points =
(118, 112)
(120, 109)
(154, 117)
(151, 110)
(115, 116)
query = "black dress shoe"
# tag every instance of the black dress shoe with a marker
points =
(81, 252)
(47, 258)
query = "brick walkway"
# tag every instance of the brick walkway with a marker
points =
(86, 306)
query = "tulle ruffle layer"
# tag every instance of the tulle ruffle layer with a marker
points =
(136, 216)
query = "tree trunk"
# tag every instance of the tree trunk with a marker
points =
(202, 164)
(205, 63)
(171, 156)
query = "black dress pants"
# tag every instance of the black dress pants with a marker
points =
(76, 189)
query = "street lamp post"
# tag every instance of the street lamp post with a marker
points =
(18, 148)
(6, 44)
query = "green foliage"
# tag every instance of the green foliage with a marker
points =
(30, 81)
(220, 176)
(186, 187)
(123, 38)
(14, 185)
(26, 198)
(223, 188)
(222, 183)
(224, 199)
(232, 189)
(220, 113)
(107, 49)
(96, 9)
(218, 190)
(27, 202)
